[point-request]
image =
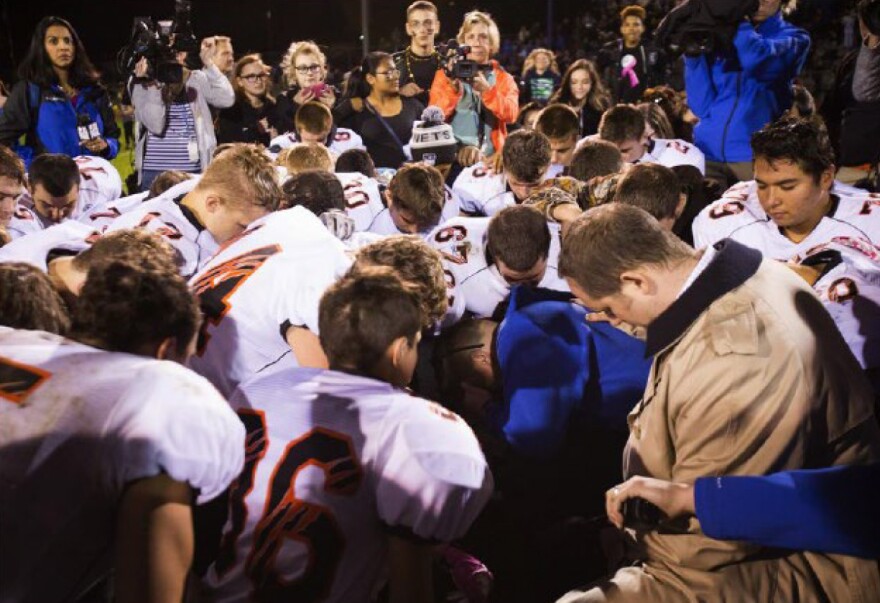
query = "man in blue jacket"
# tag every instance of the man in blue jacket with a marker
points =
(738, 92)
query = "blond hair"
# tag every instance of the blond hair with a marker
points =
(243, 174)
(476, 17)
(288, 64)
(305, 156)
(529, 63)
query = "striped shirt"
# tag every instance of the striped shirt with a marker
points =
(169, 151)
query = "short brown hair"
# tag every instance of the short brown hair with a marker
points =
(421, 5)
(243, 175)
(314, 118)
(363, 314)
(166, 180)
(651, 186)
(11, 165)
(518, 236)
(621, 123)
(56, 172)
(606, 241)
(633, 10)
(558, 121)
(304, 156)
(240, 64)
(125, 308)
(316, 190)
(415, 262)
(29, 301)
(135, 246)
(419, 189)
(595, 158)
(526, 155)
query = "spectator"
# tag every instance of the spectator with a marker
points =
(305, 68)
(420, 61)
(584, 90)
(631, 64)
(180, 132)
(540, 76)
(59, 104)
(225, 57)
(760, 338)
(738, 92)
(252, 117)
(377, 112)
(680, 117)
(656, 123)
(479, 110)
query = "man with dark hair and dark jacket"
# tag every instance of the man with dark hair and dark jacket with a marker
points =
(738, 91)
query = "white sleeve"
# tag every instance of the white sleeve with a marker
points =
(173, 421)
(462, 189)
(700, 229)
(433, 479)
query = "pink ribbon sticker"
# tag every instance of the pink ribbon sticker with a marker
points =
(629, 70)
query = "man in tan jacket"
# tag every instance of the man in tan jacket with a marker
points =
(750, 376)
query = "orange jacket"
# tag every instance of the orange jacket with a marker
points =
(502, 100)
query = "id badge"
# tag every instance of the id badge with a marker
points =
(192, 148)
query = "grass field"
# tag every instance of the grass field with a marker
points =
(124, 161)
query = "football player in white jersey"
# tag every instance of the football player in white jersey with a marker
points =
(526, 163)
(260, 297)
(793, 204)
(624, 126)
(29, 301)
(130, 441)
(417, 200)
(12, 189)
(314, 124)
(53, 193)
(347, 472)
(484, 257)
(238, 187)
(561, 125)
(656, 189)
(99, 183)
(69, 237)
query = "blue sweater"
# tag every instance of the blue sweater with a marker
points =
(556, 369)
(834, 510)
(738, 94)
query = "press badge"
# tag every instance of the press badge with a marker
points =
(192, 148)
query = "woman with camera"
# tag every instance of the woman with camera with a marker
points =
(478, 108)
(375, 110)
(179, 130)
(59, 104)
(305, 68)
(252, 117)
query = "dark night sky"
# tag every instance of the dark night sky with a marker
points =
(104, 25)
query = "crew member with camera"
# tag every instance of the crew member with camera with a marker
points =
(59, 103)
(476, 95)
(419, 62)
(738, 91)
(176, 113)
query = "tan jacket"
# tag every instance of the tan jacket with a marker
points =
(760, 381)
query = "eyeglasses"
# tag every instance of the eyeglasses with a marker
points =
(254, 77)
(390, 74)
(308, 68)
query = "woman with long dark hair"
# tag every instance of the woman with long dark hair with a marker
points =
(252, 117)
(584, 91)
(59, 103)
(375, 109)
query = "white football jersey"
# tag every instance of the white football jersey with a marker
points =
(363, 200)
(482, 192)
(335, 461)
(104, 214)
(69, 235)
(99, 183)
(77, 425)
(462, 243)
(672, 153)
(738, 215)
(341, 140)
(165, 216)
(384, 225)
(850, 291)
(24, 221)
(266, 280)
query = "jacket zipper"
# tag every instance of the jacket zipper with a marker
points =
(730, 119)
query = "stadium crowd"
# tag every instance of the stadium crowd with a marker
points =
(585, 317)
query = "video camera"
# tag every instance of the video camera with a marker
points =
(457, 65)
(703, 27)
(159, 42)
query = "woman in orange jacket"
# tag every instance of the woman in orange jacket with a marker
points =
(479, 109)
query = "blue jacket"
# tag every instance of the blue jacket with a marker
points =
(737, 94)
(826, 510)
(557, 370)
(49, 119)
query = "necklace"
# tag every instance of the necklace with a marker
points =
(410, 56)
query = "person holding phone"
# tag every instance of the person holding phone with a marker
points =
(305, 68)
